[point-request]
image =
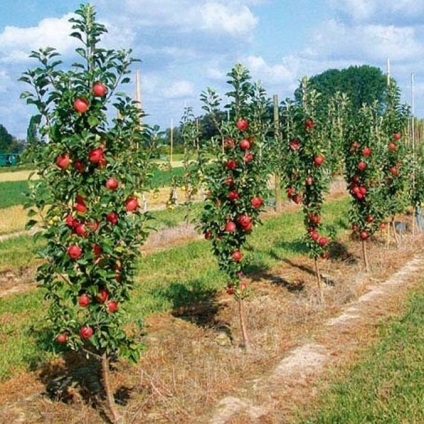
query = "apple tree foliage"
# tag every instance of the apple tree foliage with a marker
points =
(235, 180)
(90, 170)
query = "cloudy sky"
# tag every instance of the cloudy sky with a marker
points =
(189, 45)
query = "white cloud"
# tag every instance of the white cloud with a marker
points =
(179, 89)
(16, 43)
(279, 73)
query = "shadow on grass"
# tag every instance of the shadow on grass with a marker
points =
(76, 379)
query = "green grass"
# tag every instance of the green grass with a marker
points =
(387, 385)
(164, 281)
(12, 193)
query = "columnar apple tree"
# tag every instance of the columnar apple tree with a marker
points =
(87, 195)
(235, 181)
(363, 174)
(307, 169)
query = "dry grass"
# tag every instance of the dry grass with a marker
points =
(193, 359)
(15, 176)
(13, 219)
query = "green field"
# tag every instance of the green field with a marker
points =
(12, 193)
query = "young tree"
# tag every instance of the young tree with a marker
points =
(235, 180)
(90, 172)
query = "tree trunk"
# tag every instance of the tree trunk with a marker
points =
(319, 281)
(243, 328)
(365, 256)
(117, 417)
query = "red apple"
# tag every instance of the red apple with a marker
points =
(397, 136)
(99, 89)
(318, 160)
(294, 144)
(84, 300)
(362, 166)
(237, 256)
(62, 338)
(96, 155)
(297, 199)
(80, 105)
(93, 225)
(248, 157)
(70, 221)
(230, 227)
(245, 221)
(244, 144)
(369, 218)
(290, 192)
(231, 164)
(355, 145)
(97, 250)
(112, 217)
(309, 123)
(309, 181)
(81, 230)
(363, 235)
(394, 171)
(79, 207)
(229, 181)
(228, 143)
(392, 146)
(112, 183)
(74, 251)
(314, 236)
(208, 234)
(63, 161)
(325, 255)
(233, 195)
(256, 202)
(366, 152)
(131, 204)
(230, 290)
(86, 332)
(112, 306)
(242, 124)
(103, 295)
(79, 166)
(323, 241)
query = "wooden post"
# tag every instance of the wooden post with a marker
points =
(277, 175)
(171, 141)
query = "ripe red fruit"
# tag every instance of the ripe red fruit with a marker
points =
(256, 202)
(290, 192)
(230, 227)
(314, 236)
(297, 199)
(93, 225)
(74, 251)
(309, 181)
(79, 166)
(80, 105)
(230, 290)
(96, 155)
(86, 332)
(248, 157)
(84, 300)
(394, 171)
(81, 208)
(242, 124)
(245, 221)
(81, 230)
(363, 235)
(131, 204)
(229, 181)
(362, 166)
(294, 144)
(382, 226)
(392, 146)
(309, 123)
(63, 161)
(228, 143)
(237, 256)
(97, 250)
(397, 136)
(70, 221)
(112, 217)
(366, 152)
(208, 234)
(231, 164)
(244, 144)
(99, 89)
(318, 160)
(62, 338)
(369, 218)
(112, 183)
(363, 190)
(103, 295)
(112, 306)
(233, 195)
(355, 145)
(323, 241)
(325, 255)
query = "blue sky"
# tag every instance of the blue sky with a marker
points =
(188, 45)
